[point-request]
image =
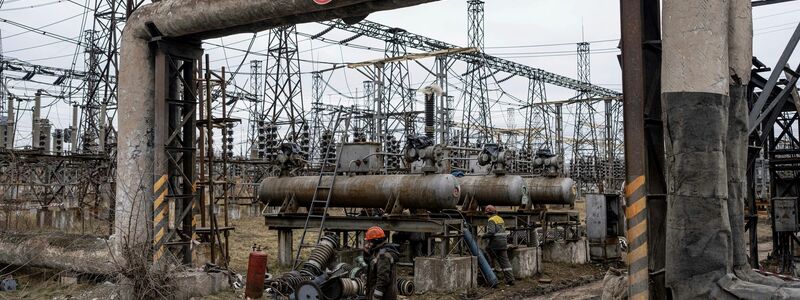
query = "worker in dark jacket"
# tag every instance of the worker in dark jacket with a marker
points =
(381, 269)
(498, 243)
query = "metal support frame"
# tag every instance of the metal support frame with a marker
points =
(175, 117)
(419, 42)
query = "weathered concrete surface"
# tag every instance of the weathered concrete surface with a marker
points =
(445, 275)
(199, 284)
(79, 253)
(576, 252)
(695, 102)
(526, 261)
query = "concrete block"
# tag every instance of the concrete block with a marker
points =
(525, 261)
(445, 275)
(572, 252)
(234, 212)
(605, 250)
(200, 284)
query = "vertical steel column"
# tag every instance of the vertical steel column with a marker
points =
(608, 179)
(635, 157)
(442, 65)
(560, 132)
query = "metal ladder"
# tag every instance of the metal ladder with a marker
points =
(323, 192)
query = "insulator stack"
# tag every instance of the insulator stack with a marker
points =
(228, 136)
(392, 146)
(352, 287)
(58, 144)
(359, 136)
(430, 110)
(320, 256)
(272, 142)
(405, 287)
(261, 140)
(327, 141)
(288, 282)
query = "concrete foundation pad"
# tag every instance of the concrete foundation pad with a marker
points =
(572, 252)
(445, 275)
(526, 261)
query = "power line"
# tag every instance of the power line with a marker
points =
(45, 26)
(549, 45)
(42, 32)
(32, 6)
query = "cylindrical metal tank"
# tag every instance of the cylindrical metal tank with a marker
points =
(508, 190)
(433, 192)
(256, 268)
(551, 190)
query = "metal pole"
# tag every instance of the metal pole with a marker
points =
(635, 158)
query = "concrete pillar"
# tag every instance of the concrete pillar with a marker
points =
(695, 108)
(285, 241)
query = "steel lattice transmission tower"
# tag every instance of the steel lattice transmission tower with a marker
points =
(257, 110)
(584, 143)
(283, 86)
(93, 98)
(476, 117)
(397, 100)
(538, 129)
(102, 65)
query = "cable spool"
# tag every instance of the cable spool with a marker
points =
(405, 287)
(320, 256)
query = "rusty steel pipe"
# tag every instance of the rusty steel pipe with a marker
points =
(551, 190)
(510, 190)
(432, 192)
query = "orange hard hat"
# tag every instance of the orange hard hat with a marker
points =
(489, 209)
(374, 232)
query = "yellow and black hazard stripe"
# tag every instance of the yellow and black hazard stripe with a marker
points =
(160, 218)
(636, 214)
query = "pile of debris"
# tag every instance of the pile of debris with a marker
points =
(319, 278)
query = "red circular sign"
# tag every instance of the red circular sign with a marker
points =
(322, 2)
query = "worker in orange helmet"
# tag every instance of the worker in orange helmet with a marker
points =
(498, 243)
(381, 270)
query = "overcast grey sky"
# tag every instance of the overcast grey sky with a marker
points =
(515, 29)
